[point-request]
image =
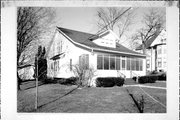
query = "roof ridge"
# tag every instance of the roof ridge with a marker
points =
(74, 30)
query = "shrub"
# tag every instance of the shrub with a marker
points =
(154, 72)
(148, 79)
(119, 81)
(109, 81)
(134, 78)
(162, 77)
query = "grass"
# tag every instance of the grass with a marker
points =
(151, 106)
(69, 99)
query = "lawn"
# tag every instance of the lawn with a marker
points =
(151, 106)
(70, 99)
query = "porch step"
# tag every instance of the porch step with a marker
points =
(129, 81)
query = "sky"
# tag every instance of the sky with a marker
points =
(84, 19)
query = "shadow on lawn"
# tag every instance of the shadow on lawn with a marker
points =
(31, 86)
(57, 98)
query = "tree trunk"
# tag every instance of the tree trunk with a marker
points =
(19, 80)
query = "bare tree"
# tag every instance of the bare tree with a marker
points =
(115, 18)
(32, 24)
(154, 22)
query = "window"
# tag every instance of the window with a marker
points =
(148, 63)
(123, 63)
(51, 66)
(128, 64)
(99, 62)
(118, 63)
(159, 50)
(159, 62)
(70, 64)
(106, 62)
(87, 61)
(84, 61)
(58, 65)
(133, 64)
(112, 63)
(141, 65)
(137, 64)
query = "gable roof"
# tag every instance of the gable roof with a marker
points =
(149, 42)
(83, 39)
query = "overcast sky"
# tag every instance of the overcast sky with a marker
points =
(84, 19)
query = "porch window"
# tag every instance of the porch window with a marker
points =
(106, 62)
(141, 65)
(99, 62)
(123, 63)
(128, 64)
(118, 63)
(137, 64)
(133, 64)
(112, 63)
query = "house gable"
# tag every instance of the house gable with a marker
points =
(107, 39)
(161, 39)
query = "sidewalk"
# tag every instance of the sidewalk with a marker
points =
(138, 85)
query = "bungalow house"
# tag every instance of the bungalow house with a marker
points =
(156, 52)
(100, 52)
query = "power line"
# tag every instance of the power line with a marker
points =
(110, 22)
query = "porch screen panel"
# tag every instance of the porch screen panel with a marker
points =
(99, 62)
(112, 63)
(137, 64)
(133, 66)
(141, 65)
(117, 63)
(106, 62)
(123, 63)
(128, 64)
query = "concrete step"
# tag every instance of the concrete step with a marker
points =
(130, 81)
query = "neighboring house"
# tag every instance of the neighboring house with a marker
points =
(100, 52)
(26, 72)
(156, 50)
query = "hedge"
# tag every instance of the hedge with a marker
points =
(148, 79)
(109, 81)
(162, 77)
